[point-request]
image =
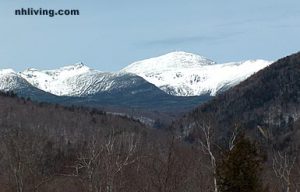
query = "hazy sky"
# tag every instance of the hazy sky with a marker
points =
(111, 34)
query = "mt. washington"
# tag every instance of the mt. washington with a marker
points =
(186, 74)
(176, 73)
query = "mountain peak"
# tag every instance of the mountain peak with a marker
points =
(185, 56)
(76, 66)
(7, 71)
(30, 70)
(173, 60)
(80, 65)
(55, 81)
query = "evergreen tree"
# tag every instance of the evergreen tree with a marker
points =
(240, 168)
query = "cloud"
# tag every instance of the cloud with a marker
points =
(171, 41)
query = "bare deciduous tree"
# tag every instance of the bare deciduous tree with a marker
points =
(105, 157)
(90, 160)
(120, 152)
(207, 142)
(233, 138)
(282, 167)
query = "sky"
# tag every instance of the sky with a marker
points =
(110, 34)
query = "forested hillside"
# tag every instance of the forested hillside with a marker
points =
(264, 108)
(46, 147)
(266, 104)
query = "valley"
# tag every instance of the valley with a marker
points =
(78, 129)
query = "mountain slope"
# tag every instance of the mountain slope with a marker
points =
(59, 121)
(60, 81)
(80, 81)
(11, 81)
(116, 92)
(88, 87)
(177, 73)
(133, 92)
(186, 74)
(270, 99)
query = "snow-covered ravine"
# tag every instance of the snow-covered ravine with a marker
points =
(177, 73)
(55, 81)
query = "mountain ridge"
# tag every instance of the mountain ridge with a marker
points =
(176, 73)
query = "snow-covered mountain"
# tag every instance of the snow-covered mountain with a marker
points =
(186, 74)
(75, 80)
(79, 80)
(12, 81)
(79, 85)
(176, 73)
(152, 84)
(60, 81)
